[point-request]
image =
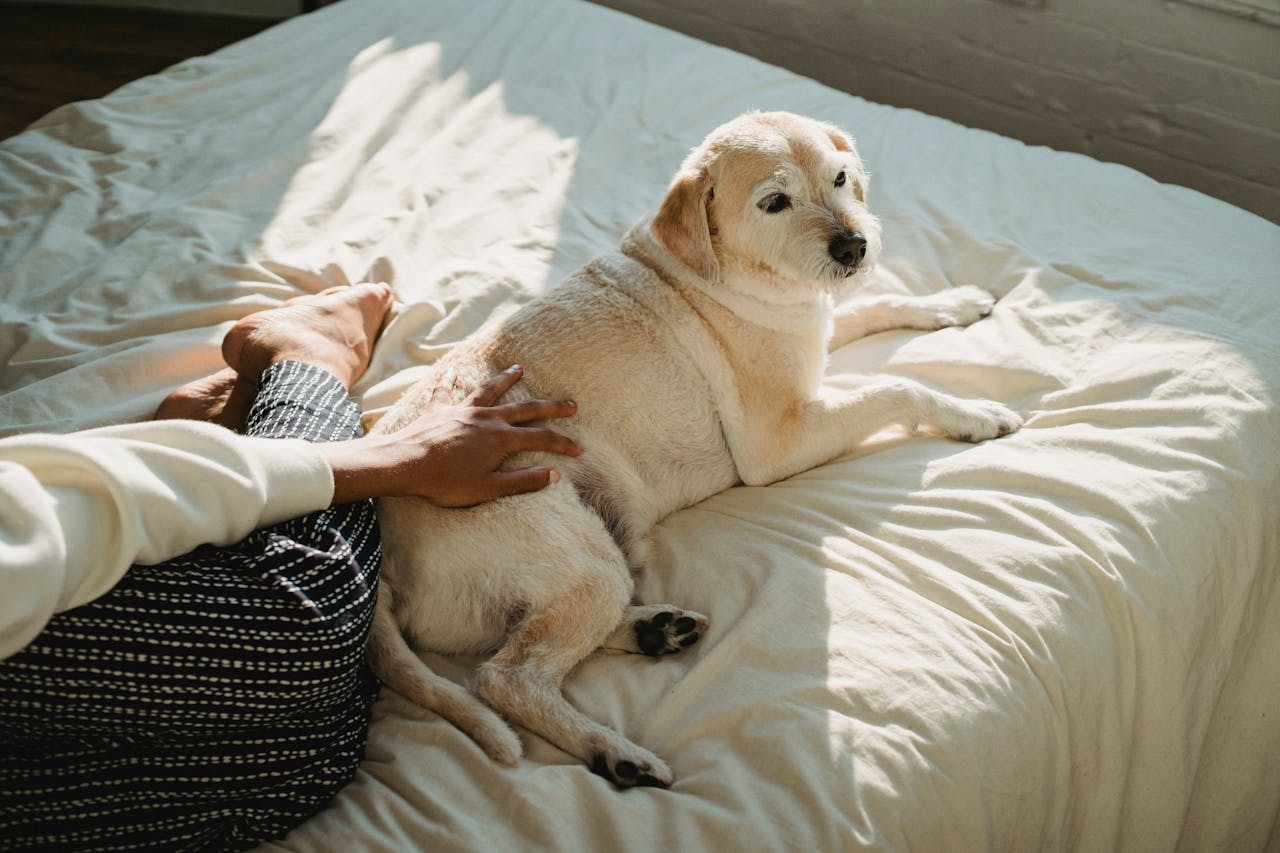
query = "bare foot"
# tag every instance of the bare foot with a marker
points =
(205, 398)
(333, 330)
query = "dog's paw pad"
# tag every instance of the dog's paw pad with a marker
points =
(629, 774)
(669, 631)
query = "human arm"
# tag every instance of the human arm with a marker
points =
(450, 455)
(77, 510)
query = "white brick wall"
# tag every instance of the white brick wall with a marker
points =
(1187, 94)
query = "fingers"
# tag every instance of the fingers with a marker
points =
(536, 410)
(499, 484)
(526, 439)
(488, 393)
(523, 480)
(518, 413)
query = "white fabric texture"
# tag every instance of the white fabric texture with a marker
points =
(79, 510)
(1064, 639)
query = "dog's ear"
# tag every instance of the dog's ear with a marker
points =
(841, 140)
(844, 142)
(683, 225)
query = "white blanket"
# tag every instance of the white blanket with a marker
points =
(1065, 639)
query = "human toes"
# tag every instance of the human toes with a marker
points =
(375, 300)
(294, 300)
(336, 308)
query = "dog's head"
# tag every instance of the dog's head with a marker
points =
(772, 196)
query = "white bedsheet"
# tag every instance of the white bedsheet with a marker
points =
(1068, 639)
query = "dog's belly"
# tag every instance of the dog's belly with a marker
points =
(462, 577)
(634, 486)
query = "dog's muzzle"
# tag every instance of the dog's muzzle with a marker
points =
(848, 249)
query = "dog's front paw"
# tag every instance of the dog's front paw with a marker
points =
(960, 306)
(631, 768)
(664, 629)
(981, 420)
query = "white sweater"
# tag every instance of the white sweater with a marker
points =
(77, 510)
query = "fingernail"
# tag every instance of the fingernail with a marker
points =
(515, 368)
(554, 476)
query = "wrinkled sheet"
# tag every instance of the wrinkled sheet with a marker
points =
(1064, 639)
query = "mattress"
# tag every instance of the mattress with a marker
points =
(1066, 639)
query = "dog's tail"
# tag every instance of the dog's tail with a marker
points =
(404, 672)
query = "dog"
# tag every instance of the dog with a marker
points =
(695, 354)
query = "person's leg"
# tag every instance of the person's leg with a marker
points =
(216, 699)
(212, 701)
(333, 330)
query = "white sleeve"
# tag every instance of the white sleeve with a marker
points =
(77, 510)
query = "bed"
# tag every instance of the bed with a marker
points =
(1067, 639)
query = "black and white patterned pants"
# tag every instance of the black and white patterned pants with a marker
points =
(210, 702)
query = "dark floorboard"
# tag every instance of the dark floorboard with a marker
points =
(54, 54)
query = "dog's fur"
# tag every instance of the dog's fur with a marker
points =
(696, 356)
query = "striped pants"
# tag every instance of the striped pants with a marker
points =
(210, 702)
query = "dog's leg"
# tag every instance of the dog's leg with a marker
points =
(404, 672)
(835, 422)
(523, 681)
(956, 306)
(656, 629)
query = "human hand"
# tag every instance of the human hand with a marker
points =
(451, 453)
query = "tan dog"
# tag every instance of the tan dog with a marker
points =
(696, 357)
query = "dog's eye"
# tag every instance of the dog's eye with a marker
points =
(775, 203)
(840, 179)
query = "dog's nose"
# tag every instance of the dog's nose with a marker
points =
(848, 248)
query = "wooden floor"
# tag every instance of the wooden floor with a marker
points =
(54, 54)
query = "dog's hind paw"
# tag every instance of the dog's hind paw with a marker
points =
(628, 773)
(657, 629)
(669, 631)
